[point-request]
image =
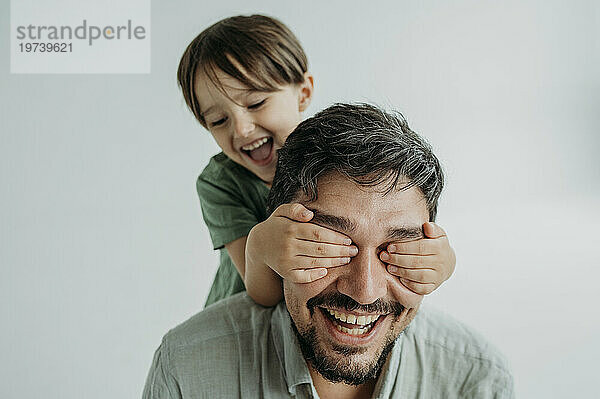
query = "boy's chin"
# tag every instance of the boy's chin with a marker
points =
(266, 174)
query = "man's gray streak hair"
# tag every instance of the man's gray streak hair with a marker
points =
(368, 145)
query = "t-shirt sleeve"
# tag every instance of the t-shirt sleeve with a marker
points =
(160, 384)
(225, 212)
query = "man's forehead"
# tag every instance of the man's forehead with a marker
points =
(335, 190)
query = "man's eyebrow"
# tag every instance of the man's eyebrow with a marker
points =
(344, 225)
(338, 223)
(405, 233)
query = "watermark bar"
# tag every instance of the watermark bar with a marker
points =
(70, 36)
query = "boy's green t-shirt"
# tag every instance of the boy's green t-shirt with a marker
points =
(233, 200)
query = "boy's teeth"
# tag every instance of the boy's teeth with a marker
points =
(353, 319)
(255, 145)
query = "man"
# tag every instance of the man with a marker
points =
(357, 332)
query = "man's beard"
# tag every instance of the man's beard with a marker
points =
(345, 369)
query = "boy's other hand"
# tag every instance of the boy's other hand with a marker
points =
(424, 264)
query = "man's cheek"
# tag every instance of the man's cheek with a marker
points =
(400, 293)
(316, 287)
(296, 295)
(291, 301)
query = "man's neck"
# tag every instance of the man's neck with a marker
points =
(329, 390)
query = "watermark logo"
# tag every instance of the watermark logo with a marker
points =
(85, 31)
(56, 36)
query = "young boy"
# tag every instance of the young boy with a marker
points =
(246, 80)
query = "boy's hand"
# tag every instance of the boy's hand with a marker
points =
(424, 264)
(297, 250)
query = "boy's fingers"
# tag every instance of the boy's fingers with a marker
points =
(418, 288)
(432, 230)
(314, 232)
(324, 250)
(421, 276)
(309, 262)
(306, 275)
(295, 211)
(408, 261)
(422, 247)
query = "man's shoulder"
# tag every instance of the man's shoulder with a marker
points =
(222, 321)
(436, 328)
(461, 353)
(213, 353)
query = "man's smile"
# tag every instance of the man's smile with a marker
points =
(350, 328)
(351, 323)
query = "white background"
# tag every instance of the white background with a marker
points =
(103, 248)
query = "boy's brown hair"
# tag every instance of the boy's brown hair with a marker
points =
(259, 51)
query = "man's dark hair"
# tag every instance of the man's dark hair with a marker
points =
(366, 144)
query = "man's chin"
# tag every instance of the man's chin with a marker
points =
(343, 363)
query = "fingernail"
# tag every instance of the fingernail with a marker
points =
(306, 213)
(347, 241)
(384, 255)
(346, 260)
(353, 251)
(392, 248)
(393, 269)
(322, 272)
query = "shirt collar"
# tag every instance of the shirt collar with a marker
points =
(389, 375)
(288, 350)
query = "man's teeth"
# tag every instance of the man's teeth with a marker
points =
(354, 331)
(352, 319)
(255, 145)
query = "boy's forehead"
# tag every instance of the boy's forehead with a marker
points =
(219, 85)
(212, 77)
(226, 89)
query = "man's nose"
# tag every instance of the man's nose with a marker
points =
(364, 279)
(243, 124)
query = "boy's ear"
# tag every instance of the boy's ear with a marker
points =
(305, 92)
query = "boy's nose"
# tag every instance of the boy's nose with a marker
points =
(243, 125)
(365, 278)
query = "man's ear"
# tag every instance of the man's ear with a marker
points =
(305, 92)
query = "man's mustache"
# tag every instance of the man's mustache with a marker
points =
(340, 301)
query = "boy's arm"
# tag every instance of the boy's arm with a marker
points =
(237, 252)
(263, 284)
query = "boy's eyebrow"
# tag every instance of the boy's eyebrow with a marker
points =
(344, 225)
(235, 98)
(206, 111)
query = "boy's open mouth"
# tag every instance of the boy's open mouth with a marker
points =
(259, 150)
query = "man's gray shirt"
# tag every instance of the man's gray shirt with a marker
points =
(237, 348)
